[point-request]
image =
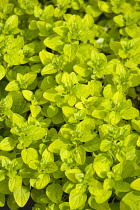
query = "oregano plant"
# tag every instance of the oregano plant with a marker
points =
(69, 104)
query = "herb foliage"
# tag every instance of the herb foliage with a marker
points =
(69, 104)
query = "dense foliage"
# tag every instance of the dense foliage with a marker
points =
(69, 100)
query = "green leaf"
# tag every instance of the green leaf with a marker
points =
(52, 111)
(35, 110)
(49, 167)
(12, 86)
(54, 192)
(120, 70)
(2, 175)
(64, 206)
(7, 144)
(93, 10)
(135, 80)
(102, 164)
(49, 69)
(130, 113)
(135, 184)
(36, 68)
(27, 94)
(109, 91)
(45, 57)
(43, 28)
(2, 72)
(138, 142)
(136, 125)
(56, 146)
(123, 169)
(58, 118)
(68, 186)
(101, 195)
(12, 203)
(21, 195)
(43, 199)
(3, 3)
(35, 133)
(11, 24)
(66, 155)
(29, 155)
(49, 156)
(92, 145)
(119, 19)
(41, 181)
(115, 46)
(18, 120)
(100, 114)
(61, 31)
(70, 50)
(47, 83)
(114, 117)
(66, 79)
(4, 189)
(122, 186)
(82, 91)
(15, 57)
(15, 183)
(102, 206)
(104, 6)
(2, 199)
(80, 155)
(26, 80)
(29, 49)
(132, 30)
(118, 97)
(95, 88)
(50, 95)
(130, 201)
(70, 173)
(72, 100)
(17, 44)
(73, 78)
(68, 111)
(105, 145)
(77, 199)
(19, 105)
(54, 42)
(82, 69)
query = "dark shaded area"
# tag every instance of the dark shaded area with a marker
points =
(28, 206)
(135, 100)
(65, 197)
(113, 199)
(99, 18)
(136, 104)
(89, 153)
(57, 127)
(48, 49)
(45, 2)
(28, 113)
(5, 207)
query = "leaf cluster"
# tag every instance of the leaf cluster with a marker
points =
(69, 104)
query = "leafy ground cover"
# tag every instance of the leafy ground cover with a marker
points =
(69, 104)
